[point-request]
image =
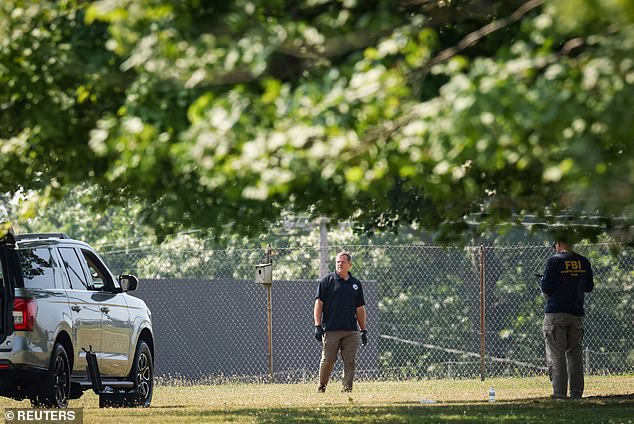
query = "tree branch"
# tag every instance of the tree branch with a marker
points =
(477, 35)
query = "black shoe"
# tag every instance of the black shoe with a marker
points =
(346, 389)
(321, 389)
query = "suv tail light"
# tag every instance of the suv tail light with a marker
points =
(24, 311)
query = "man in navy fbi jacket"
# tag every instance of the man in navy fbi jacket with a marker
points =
(568, 276)
(339, 306)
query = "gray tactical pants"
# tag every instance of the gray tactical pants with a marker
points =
(563, 334)
(345, 342)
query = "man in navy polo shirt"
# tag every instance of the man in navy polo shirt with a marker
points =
(339, 306)
(567, 278)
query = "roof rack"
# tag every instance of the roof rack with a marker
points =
(40, 236)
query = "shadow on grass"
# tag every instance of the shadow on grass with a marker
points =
(612, 409)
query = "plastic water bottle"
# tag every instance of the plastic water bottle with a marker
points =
(491, 394)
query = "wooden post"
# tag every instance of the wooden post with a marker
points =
(270, 330)
(269, 314)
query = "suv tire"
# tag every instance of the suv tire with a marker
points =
(142, 374)
(56, 391)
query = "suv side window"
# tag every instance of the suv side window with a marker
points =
(100, 279)
(61, 280)
(73, 268)
(38, 268)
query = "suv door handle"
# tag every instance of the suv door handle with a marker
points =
(75, 308)
(105, 309)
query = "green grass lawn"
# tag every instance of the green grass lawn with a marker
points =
(519, 400)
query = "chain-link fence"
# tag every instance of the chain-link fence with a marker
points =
(426, 306)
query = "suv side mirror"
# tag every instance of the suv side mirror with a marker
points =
(128, 282)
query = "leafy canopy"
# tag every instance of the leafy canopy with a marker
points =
(448, 115)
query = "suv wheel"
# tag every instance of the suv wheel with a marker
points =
(56, 390)
(143, 376)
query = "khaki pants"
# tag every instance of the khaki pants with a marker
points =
(563, 334)
(346, 342)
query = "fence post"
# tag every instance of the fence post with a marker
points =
(269, 314)
(323, 246)
(482, 314)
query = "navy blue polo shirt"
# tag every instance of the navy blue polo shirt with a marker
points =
(341, 299)
(567, 278)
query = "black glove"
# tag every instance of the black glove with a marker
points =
(319, 333)
(364, 337)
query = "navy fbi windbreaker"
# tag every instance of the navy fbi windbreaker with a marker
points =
(567, 277)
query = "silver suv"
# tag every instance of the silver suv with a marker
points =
(59, 305)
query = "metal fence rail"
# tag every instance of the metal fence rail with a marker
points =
(424, 311)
